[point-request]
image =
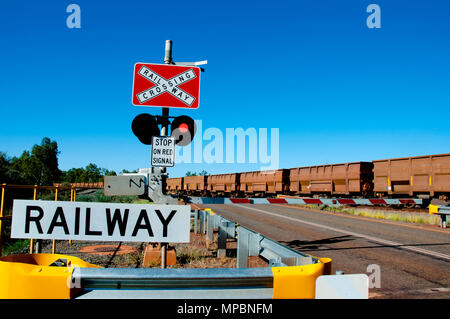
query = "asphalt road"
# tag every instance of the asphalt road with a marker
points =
(414, 260)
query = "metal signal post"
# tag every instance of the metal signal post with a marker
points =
(159, 85)
(164, 132)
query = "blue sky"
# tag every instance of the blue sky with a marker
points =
(337, 90)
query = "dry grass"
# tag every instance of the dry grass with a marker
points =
(403, 217)
(199, 253)
(418, 218)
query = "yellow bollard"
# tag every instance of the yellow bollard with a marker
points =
(38, 276)
(298, 282)
(433, 209)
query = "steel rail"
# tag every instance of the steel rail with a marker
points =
(271, 249)
(144, 278)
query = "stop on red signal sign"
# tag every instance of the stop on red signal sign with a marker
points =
(166, 85)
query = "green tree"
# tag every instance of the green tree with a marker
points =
(202, 173)
(44, 162)
(40, 167)
(125, 171)
(73, 175)
(106, 172)
(5, 173)
(90, 174)
(93, 173)
(188, 173)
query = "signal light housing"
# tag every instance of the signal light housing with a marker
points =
(183, 129)
(145, 126)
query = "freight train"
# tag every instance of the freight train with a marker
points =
(426, 177)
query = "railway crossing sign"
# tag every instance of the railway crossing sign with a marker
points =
(100, 221)
(163, 151)
(128, 184)
(166, 85)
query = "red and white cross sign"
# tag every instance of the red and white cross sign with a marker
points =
(166, 85)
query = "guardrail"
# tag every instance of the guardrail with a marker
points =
(249, 243)
(138, 283)
(291, 274)
(442, 211)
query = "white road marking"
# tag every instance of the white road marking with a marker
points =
(371, 238)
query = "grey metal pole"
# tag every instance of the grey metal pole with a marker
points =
(165, 110)
(168, 54)
(164, 132)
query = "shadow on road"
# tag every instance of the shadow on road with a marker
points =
(316, 244)
(322, 244)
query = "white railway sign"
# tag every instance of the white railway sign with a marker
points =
(163, 151)
(124, 185)
(100, 221)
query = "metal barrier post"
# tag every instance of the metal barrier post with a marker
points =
(195, 221)
(242, 248)
(164, 255)
(1, 217)
(205, 216)
(202, 221)
(222, 240)
(54, 241)
(32, 240)
(209, 226)
(72, 200)
(231, 229)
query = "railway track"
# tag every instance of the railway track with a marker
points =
(422, 177)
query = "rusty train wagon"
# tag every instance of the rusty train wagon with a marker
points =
(195, 185)
(174, 185)
(264, 183)
(424, 176)
(334, 179)
(224, 184)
